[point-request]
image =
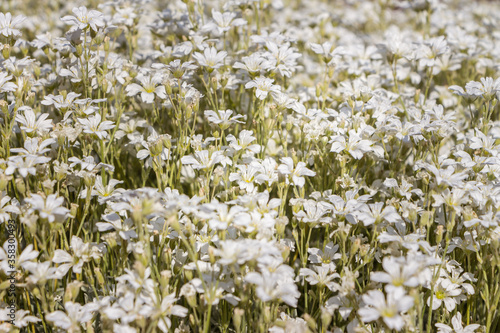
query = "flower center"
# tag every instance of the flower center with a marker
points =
(440, 294)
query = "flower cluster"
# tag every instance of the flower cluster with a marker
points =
(250, 166)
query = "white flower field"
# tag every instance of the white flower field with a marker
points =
(243, 166)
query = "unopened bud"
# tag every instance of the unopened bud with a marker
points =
(439, 234)
(326, 317)
(6, 51)
(21, 186)
(237, 318)
(72, 291)
(78, 50)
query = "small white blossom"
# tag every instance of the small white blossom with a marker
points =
(85, 18)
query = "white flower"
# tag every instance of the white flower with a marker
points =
(5, 84)
(150, 86)
(445, 292)
(202, 159)
(41, 272)
(356, 146)
(49, 208)
(389, 309)
(430, 50)
(223, 118)
(73, 317)
(453, 199)
(273, 286)
(126, 308)
(178, 69)
(398, 272)
(254, 63)
(320, 275)
(456, 322)
(373, 213)
(7, 209)
(233, 252)
(24, 260)
(226, 20)
(263, 87)
(154, 149)
(245, 138)
(20, 318)
(314, 212)
(93, 125)
(222, 216)
(448, 176)
(167, 309)
(30, 123)
(84, 18)
(488, 220)
(487, 88)
(246, 175)
(105, 192)
(24, 164)
(269, 173)
(210, 58)
(60, 102)
(118, 328)
(287, 324)
(124, 228)
(282, 58)
(82, 253)
(325, 257)
(300, 170)
(8, 23)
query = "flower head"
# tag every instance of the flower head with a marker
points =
(211, 58)
(8, 24)
(85, 18)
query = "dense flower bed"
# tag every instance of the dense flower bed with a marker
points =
(249, 166)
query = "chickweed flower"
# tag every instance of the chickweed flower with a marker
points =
(85, 18)
(94, 125)
(222, 118)
(263, 86)
(210, 58)
(389, 308)
(150, 86)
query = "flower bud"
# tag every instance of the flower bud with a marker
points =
(168, 88)
(281, 223)
(106, 44)
(165, 278)
(4, 181)
(189, 111)
(99, 38)
(237, 318)
(189, 292)
(73, 209)
(439, 234)
(72, 291)
(211, 254)
(156, 147)
(6, 51)
(89, 180)
(21, 186)
(100, 277)
(326, 317)
(78, 50)
(5, 107)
